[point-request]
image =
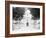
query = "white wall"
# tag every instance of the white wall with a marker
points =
(2, 20)
(2, 17)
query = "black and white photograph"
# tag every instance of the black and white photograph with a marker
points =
(25, 19)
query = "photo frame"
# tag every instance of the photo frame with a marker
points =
(24, 18)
